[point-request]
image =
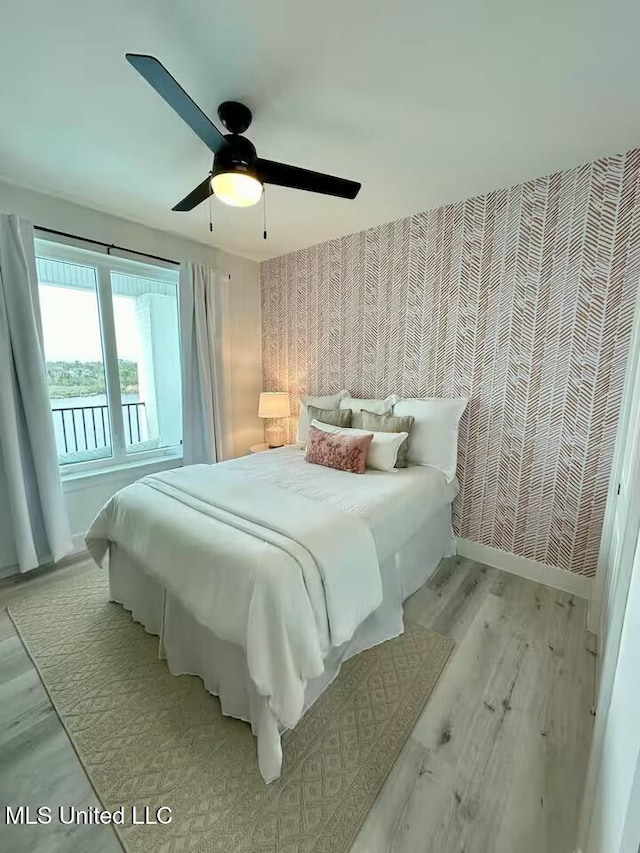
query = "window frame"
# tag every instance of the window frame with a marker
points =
(105, 262)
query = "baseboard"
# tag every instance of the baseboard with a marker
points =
(78, 552)
(7, 571)
(593, 617)
(79, 546)
(526, 568)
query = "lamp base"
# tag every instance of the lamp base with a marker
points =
(274, 434)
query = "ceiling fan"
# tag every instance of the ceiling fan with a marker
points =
(238, 174)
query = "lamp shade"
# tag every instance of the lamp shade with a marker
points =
(274, 404)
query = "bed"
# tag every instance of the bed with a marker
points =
(268, 641)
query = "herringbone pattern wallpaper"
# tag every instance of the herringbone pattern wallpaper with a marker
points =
(522, 300)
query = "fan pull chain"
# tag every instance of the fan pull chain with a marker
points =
(210, 216)
(264, 212)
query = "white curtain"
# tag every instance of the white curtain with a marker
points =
(27, 440)
(205, 357)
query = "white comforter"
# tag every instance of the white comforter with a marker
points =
(254, 563)
(393, 504)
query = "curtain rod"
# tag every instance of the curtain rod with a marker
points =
(107, 246)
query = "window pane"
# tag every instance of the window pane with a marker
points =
(74, 360)
(147, 340)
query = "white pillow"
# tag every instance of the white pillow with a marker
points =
(433, 440)
(383, 450)
(330, 402)
(378, 407)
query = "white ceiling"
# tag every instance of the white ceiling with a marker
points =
(423, 101)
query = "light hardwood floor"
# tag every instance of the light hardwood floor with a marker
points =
(495, 764)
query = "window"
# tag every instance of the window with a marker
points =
(111, 345)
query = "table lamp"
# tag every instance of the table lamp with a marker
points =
(274, 405)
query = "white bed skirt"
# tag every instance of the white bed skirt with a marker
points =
(191, 649)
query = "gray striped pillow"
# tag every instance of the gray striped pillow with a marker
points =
(387, 423)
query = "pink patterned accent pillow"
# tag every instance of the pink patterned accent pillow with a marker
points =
(345, 452)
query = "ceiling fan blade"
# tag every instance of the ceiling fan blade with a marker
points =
(195, 197)
(172, 92)
(303, 179)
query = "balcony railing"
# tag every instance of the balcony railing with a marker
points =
(87, 427)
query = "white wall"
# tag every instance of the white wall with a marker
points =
(244, 331)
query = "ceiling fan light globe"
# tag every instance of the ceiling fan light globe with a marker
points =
(236, 188)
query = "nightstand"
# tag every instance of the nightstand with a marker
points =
(258, 448)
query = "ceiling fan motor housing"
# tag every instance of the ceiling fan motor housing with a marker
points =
(241, 156)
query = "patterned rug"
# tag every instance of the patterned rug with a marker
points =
(147, 738)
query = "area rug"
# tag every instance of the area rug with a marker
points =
(149, 739)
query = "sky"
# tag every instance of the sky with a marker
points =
(71, 325)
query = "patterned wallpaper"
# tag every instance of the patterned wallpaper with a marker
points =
(522, 300)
